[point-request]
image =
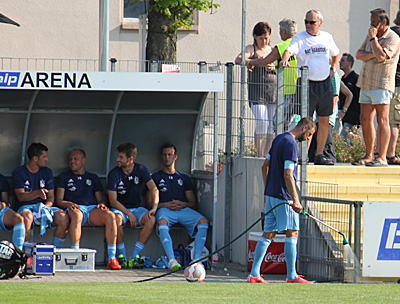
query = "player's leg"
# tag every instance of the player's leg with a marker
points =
(75, 227)
(197, 226)
(15, 220)
(61, 220)
(109, 219)
(166, 218)
(28, 220)
(263, 243)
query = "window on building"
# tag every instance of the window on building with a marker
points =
(131, 12)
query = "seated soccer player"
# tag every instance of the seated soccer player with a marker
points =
(124, 185)
(9, 219)
(81, 193)
(176, 205)
(33, 185)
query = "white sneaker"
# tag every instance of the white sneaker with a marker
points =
(173, 265)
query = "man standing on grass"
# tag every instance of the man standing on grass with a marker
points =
(280, 174)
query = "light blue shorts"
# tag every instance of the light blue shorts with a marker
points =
(375, 97)
(2, 226)
(31, 209)
(281, 218)
(85, 211)
(139, 212)
(187, 217)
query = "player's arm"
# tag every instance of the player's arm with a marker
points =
(28, 196)
(100, 200)
(291, 186)
(153, 195)
(191, 199)
(60, 202)
(50, 198)
(264, 170)
(334, 63)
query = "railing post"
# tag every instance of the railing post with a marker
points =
(280, 103)
(154, 66)
(357, 239)
(113, 61)
(228, 161)
(202, 67)
(303, 145)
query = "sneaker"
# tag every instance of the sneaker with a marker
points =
(259, 279)
(299, 279)
(113, 264)
(173, 265)
(136, 263)
(122, 261)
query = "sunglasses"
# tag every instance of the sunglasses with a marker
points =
(310, 22)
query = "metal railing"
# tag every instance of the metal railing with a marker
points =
(322, 254)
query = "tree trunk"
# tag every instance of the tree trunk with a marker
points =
(161, 39)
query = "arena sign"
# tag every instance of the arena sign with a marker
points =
(107, 81)
(381, 246)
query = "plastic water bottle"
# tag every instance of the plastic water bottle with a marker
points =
(214, 262)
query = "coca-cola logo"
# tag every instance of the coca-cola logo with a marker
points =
(250, 255)
(277, 258)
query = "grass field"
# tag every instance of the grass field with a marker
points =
(88, 293)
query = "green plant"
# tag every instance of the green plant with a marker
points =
(350, 148)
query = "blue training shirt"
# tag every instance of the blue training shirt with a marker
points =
(172, 186)
(79, 189)
(128, 186)
(22, 178)
(284, 148)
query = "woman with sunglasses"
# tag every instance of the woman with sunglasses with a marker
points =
(261, 88)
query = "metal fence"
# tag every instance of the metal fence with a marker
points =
(322, 252)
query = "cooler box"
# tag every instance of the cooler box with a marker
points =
(41, 259)
(68, 259)
(274, 259)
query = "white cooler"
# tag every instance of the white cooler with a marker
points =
(68, 259)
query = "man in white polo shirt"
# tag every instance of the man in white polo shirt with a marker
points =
(314, 48)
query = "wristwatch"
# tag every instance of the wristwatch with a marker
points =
(334, 70)
(344, 110)
(375, 38)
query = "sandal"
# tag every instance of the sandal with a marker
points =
(376, 163)
(361, 162)
(321, 159)
(394, 160)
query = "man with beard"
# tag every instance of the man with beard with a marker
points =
(124, 186)
(279, 175)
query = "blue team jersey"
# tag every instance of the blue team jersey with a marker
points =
(79, 189)
(172, 186)
(4, 187)
(22, 178)
(284, 147)
(128, 186)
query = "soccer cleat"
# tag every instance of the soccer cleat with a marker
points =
(259, 279)
(136, 263)
(113, 264)
(299, 279)
(173, 265)
(122, 261)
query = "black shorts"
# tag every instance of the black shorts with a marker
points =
(320, 97)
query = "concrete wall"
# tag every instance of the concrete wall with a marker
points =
(70, 29)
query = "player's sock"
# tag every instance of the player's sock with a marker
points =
(200, 240)
(57, 242)
(74, 246)
(291, 255)
(111, 250)
(166, 241)
(19, 235)
(121, 249)
(137, 250)
(261, 249)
